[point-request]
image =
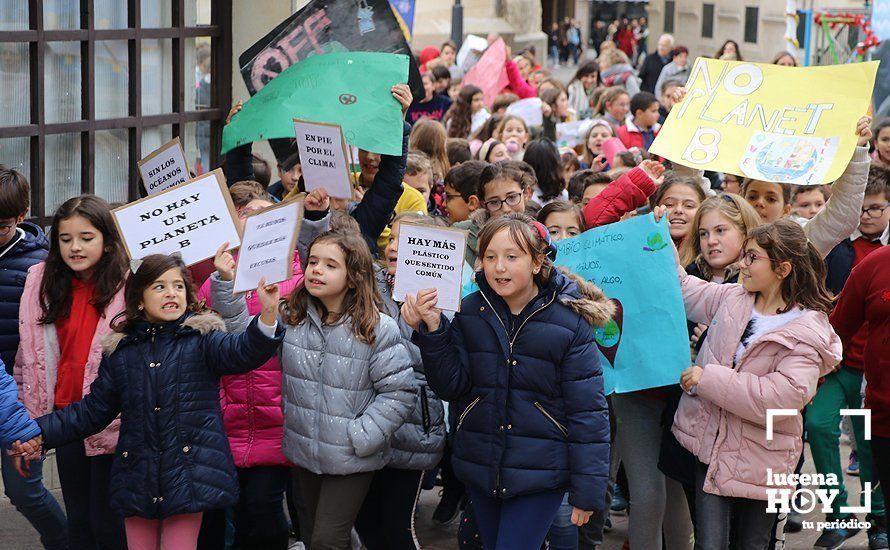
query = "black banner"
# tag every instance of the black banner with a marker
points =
(324, 27)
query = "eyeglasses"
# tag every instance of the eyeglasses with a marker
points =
(494, 205)
(872, 211)
(750, 256)
(452, 196)
(5, 229)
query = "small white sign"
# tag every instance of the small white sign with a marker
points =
(430, 257)
(164, 168)
(323, 157)
(528, 110)
(193, 219)
(267, 247)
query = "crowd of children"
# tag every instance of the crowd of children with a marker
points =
(185, 416)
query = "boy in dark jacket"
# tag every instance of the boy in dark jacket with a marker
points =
(22, 244)
(843, 388)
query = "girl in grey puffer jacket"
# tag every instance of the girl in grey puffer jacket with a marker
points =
(348, 383)
(385, 521)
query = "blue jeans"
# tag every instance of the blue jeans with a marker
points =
(563, 534)
(35, 502)
(518, 523)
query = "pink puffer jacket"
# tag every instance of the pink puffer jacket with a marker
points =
(251, 403)
(37, 360)
(724, 426)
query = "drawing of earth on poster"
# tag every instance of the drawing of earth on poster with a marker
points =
(788, 159)
(646, 344)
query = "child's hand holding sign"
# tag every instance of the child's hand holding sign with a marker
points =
(422, 308)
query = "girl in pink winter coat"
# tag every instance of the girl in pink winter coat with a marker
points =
(253, 417)
(67, 307)
(768, 343)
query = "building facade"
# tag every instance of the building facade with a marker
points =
(758, 27)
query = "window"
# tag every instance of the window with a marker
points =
(670, 7)
(707, 21)
(751, 16)
(88, 87)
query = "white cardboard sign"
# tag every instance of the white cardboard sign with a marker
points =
(164, 168)
(528, 110)
(430, 257)
(267, 247)
(323, 157)
(193, 219)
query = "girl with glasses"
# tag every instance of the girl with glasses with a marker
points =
(769, 343)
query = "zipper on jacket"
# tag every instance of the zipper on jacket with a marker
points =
(561, 428)
(424, 409)
(530, 315)
(464, 414)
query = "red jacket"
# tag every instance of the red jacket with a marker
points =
(519, 85)
(631, 136)
(866, 299)
(623, 195)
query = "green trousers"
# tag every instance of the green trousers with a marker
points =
(841, 390)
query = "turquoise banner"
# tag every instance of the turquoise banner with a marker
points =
(646, 345)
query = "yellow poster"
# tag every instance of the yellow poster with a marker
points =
(783, 124)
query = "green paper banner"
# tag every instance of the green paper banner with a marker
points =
(351, 89)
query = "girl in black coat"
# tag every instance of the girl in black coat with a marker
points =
(160, 372)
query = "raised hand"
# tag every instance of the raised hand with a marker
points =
(654, 170)
(426, 308)
(599, 163)
(410, 314)
(679, 94)
(863, 130)
(402, 94)
(317, 200)
(234, 111)
(224, 263)
(269, 296)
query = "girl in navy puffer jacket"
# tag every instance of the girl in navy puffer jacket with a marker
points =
(160, 372)
(520, 361)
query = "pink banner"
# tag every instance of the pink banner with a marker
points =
(489, 73)
(612, 147)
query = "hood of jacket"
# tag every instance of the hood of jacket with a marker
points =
(33, 239)
(585, 298)
(812, 329)
(201, 323)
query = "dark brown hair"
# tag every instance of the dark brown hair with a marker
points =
(784, 241)
(514, 170)
(878, 182)
(786, 188)
(458, 150)
(671, 180)
(526, 238)
(560, 207)
(15, 193)
(149, 271)
(465, 177)
(502, 101)
(461, 113)
(55, 288)
(362, 303)
(583, 179)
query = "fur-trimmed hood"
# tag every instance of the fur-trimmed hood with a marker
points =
(199, 322)
(590, 301)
